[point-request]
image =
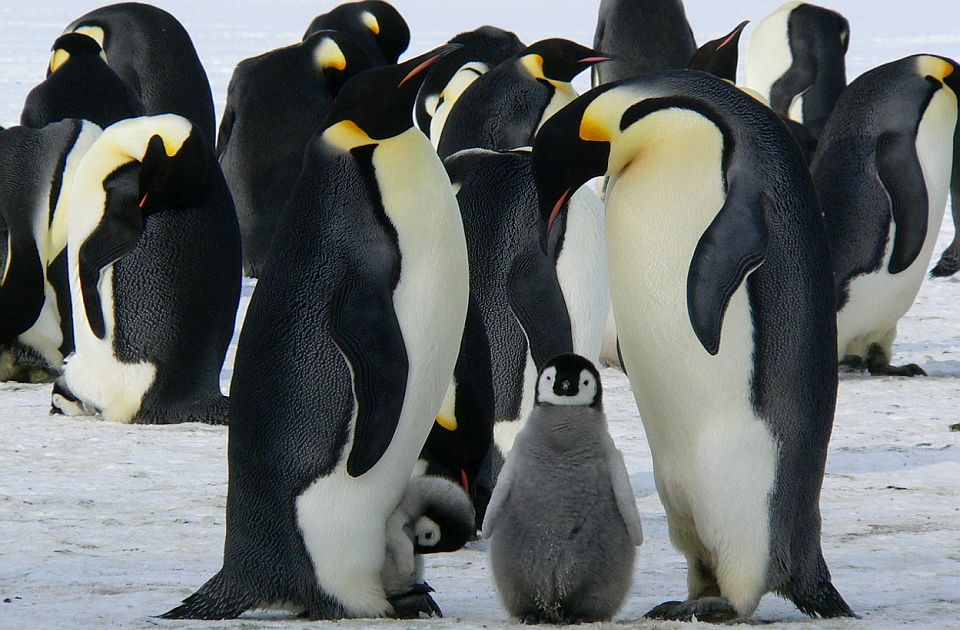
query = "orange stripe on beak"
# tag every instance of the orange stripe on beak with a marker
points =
(556, 210)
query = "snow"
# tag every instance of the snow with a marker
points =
(106, 525)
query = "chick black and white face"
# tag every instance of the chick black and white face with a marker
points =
(569, 380)
(427, 532)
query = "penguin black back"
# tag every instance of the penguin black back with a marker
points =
(374, 25)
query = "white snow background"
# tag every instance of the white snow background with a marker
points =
(105, 525)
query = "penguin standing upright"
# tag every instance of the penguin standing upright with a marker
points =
(795, 60)
(373, 25)
(882, 171)
(722, 289)
(79, 84)
(641, 36)
(152, 52)
(369, 279)
(504, 108)
(275, 102)
(154, 256)
(483, 48)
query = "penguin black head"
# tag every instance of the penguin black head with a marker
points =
(171, 176)
(719, 56)
(379, 101)
(559, 59)
(380, 19)
(337, 57)
(71, 45)
(446, 520)
(569, 379)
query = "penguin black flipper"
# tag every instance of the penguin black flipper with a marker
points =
(798, 79)
(117, 234)
(535, 297)
(732, 247)
(365, 327)
(902, 176)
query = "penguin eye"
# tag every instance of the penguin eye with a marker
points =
(428, 535)
(549, 378)
(586, 382)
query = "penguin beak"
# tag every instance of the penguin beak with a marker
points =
(733, 36)
(419, 65)
(598, 58)
(719, 57)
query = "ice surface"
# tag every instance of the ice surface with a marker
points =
(104, 525)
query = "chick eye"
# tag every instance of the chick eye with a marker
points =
(428, 535)
(549, 378)
(587, 382)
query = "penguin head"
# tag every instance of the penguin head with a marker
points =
(719, 56)
(384, 23)
(445, 520)
(377, 103)
(174, 167)
(569, 379)
(559, 59)
(70, 46)
(336, 56)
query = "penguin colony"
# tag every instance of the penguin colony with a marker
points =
(435, 277)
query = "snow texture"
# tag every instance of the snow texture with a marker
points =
(105, 525)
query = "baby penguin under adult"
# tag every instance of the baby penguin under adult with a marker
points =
(562, 521)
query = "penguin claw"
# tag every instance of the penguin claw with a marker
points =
(707, 609)
(417, 600)
(910, 369)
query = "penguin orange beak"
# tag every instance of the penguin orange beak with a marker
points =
(424, 61)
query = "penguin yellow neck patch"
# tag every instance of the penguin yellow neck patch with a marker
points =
(328, 55)
(370, 21)
(534, 65)
(58, 58)
(593, 129)
(347, 135)
(934, 66)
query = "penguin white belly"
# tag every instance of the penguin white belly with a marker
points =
(695, 407)
(45, 335)
(878, 300)
(768, 55)
(461, 80)
(340, 517)
(582, 272)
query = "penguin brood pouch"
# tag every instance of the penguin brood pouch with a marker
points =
(154, 266)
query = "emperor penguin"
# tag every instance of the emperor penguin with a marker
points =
(534, 305)
(149, 49)
(275, 102)
(722, 290)
(563, 522)
(883, 170)
(504, 108)
(373, 25)
(153, 252)
(795, 60)
(483, 48)
(434, 516)
(34, 293)
(369, 280)
(641, 36)
(80, 84)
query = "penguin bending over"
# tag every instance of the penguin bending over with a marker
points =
(503, 109)
(563, 521)
(722, 291)
(641, 36)
(883, 169)
(795, 60)
(149, 49)
(153, 252)
(369, 277)
(275, 102)
(373, 25)
(80, 84)
(483, 48)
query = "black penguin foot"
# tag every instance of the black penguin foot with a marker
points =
(852, 363)
(708, 609)
(417, 600)
(910, 369)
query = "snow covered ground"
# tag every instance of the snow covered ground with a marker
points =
(105, 525)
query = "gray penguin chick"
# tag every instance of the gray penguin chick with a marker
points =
(435, 515)
(562, 521)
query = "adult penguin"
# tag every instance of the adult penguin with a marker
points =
(370, 283)
(34, 294)
(722, 289)
(374, 25)
(641, 36)
(503, 109)
(275, 102)
(483, 48)
(79, 84)
(795, 60)
(152, 52)
(883, 171)
(154, 256)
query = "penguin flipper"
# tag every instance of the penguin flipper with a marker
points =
(536, 299)
(117, 234)
(366, 330)
(501, 491)
(900, 173)
(795, 81)
(623, 493)
(729, 250)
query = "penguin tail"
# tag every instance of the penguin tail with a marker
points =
(215, 600)
(816, 596)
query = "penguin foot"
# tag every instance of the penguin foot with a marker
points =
(417, 600)
(708, 609)
(910, 369)
(852, 363)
